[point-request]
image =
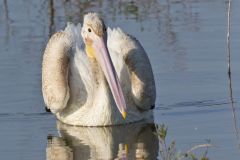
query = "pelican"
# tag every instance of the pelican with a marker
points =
(97, 76)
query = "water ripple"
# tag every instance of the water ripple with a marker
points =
(25, 115)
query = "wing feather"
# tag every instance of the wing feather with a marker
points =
(141, 75)
(55, 67)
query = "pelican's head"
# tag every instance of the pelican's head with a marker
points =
(93, 27)
(95, 38)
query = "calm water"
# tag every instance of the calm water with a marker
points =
(186, 44)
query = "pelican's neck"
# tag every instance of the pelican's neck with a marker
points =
(97, 72)
(90, 51)
(98, 75)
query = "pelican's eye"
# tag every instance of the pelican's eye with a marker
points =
(89, 30)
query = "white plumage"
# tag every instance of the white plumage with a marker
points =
(75, 87)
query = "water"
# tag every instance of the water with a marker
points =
(186, 44)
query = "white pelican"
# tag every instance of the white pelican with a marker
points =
(102, 78)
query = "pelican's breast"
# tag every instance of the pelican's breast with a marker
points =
(91, 102)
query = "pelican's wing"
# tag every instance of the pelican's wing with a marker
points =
(141, 75)
(55, 68)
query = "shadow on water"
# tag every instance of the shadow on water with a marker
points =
(51, 17)
(6, 19)
(131, 142)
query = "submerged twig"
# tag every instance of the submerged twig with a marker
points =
(199, 146)
(229, 67)
(169, 152)
(228, 37)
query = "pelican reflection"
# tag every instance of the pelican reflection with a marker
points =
(133, 141)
